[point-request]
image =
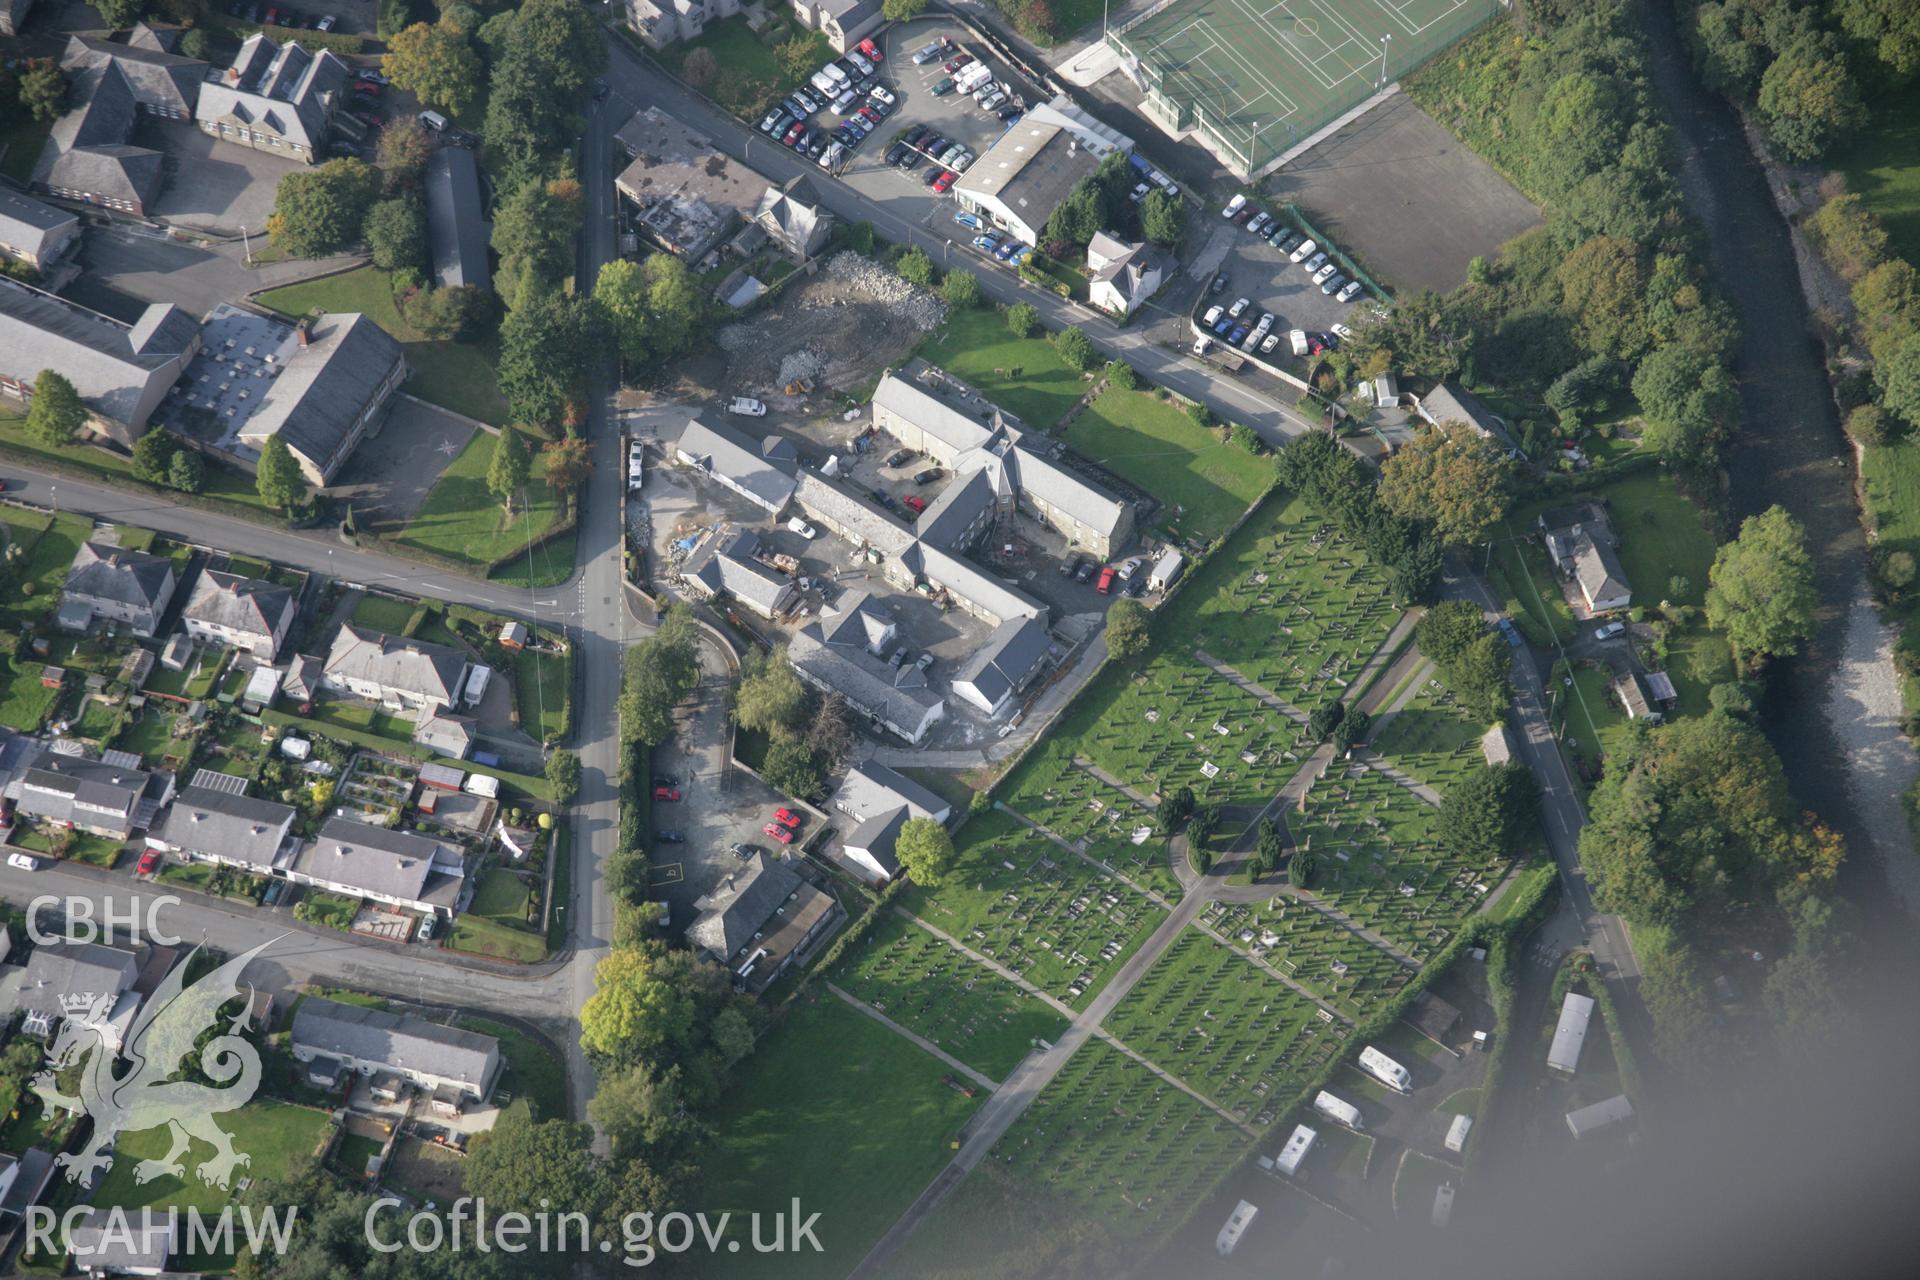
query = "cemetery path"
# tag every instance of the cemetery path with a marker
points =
(1270, 699)
(1282, 978)
(1087, 858)
(855, 1002)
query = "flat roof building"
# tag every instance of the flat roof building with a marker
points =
(690, 195)
(1570, 1036)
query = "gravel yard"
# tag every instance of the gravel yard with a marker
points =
(840, 328)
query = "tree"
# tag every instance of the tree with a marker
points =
(620, 295)
(58, 412)
(186, 472)
(507, 467)
(1848, 236)
(1887, 303)
(1022, 319)
(1204, 822)
(770, 698)
(700, 68)
(120, 14)
(563, 775)
(403, 151)
(1808, 97)
(152, 455)
(1075, 349)
(925, 851)
(1869, 426)
(915, 267)
(566, 464)
(1127, 634)
(533, 232)
(462, 313)
(41, 89)
(961, 289)
(1300, 869)
(1079, 215)
(634, 1014)
(648, 1115)
(790, 767)
(676, 302)
(1690, 404)
(1582, 390)
(1490, 812)
(660, 672)
(1173, 809)
(1899, 379)
(1122, 375)
(1453, 477)
(278, 478)
(902, 10)
(396, 231)
(830, 732)
(321, 210)
(1351, 729)
(437, 64)
(545, 343)
(521, 1165)
(1163, 218)
(1603, 285)
(1761, 591)
(1890, 27)
(1324, 718)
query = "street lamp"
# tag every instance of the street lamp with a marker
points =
(1384, 40)
(248, 241)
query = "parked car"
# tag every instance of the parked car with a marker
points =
(871, 51)
(367, 87)
(816, 143)
(668, 794)
(22, 862)
(1212, 317)
(1105, 585)
(802, 528)
(944, 181)
(1237, 335)
(970, 221)
(772, 120)
(927, 53)
(914, 503)
(148, 864)
(1219, 283)
(1341, 331)
(1258, 222)
(740, 850)
(1333, 284)
(895, 154)
(1609, 631)
(994, 101)
(1234, 206)
(986, 244)
(955, 63)
(809, 100)
(778, 832)
(1312, 265)
(884, 94)
(1085, 572)
(1268, 343)
(787, 817)
(932, 178)
(670, 837)
(1326, 271)
(1348, 293)
(1068, 564)
(927, 476)
(1021, 254)
(899, 458)
(373, 77)
(858, 61)
(748, 406)
(1223, 325)
(943, 87)
(1301, 250)
(666, 780)
(1239, 307)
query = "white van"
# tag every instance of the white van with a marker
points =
(1297, 341)
(434, 121)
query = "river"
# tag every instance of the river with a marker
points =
(1833, 712)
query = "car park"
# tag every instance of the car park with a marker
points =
(1239, 307)
(1348, 293)
(944, 181)
(1302, 250)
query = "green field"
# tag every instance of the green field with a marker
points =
(1020, 900)
(1591, 723)
(1232, 1031)
(1204, 481)
(458, 375)
(383, 613)
(24, 702)
(1024, 376)
(855, 1140)
(933, 990)
(273, 1134)
(34, 591)
(1882, 164)
(543, 689)
(464, 521)
(749, 76)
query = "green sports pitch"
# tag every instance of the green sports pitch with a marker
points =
(1259, 76)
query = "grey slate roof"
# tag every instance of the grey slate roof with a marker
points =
(730, 457)
(75, 968)
(290, 95)
(1005, 661)
(795, 214)
(13, 13)
(955, 513)
(933, 414)
(855, 621)
(1598, 568)
(727, 564)
(242, 604)
(135, 1242)
(374, 860)
(432, 671)
(315, 402)
(87, 148)
(732, 911)
(989, 594)
(872, 788)
(102, 571)
(374, 1035)
(28, 224)
(1058, 487)
(112, 365)
(878, 835)
(863, 680)
(65, 788)
(162, 80)
(454, 224)
(237, 827)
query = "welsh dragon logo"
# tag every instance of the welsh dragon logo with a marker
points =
(164, 1034)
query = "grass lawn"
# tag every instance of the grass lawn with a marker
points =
(482, 937)
(1592, 724)
(35, 590)
(857, 1143)
(328, 910)
(351, 1155)
(533, 1072)
(459, 375)
(502, 896)
(223, 482)
(351, 715)
(1432, 739)
(1415, 1183)
(1022, 375)
(542, 683)
(23, 137)
(382, 613)
(1205, 482)
(756, 76)
(462, 519)
(24, 702)
(1883, 165)
(929, 988)
(1529, 593)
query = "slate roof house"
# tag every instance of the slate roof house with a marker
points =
(329, 1037)
(92, 795)
(33, 231)
(1450, 402)
(138, 1242)
(758, 920)
(241, 613)
(1003, 665)
(1121, 275)
(121, 370)
(164, 83)
(837, 655)
(454, 225)
(660, 23)
(411, 675)
(326, 399)
(733, 460)
(59, 971)
(1582, 545)
(725, 565)
(88, 157)
(218, 826)
(396, 868)
(277, 98)
(793, 217)
(842, 22)
(106, 581)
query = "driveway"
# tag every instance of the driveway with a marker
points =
(389, 475)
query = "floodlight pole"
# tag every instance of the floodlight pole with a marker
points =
(1383, 60)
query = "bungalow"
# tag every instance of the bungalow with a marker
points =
(329, 1037)
(220, 827)
(97, 796)
(113, 582)
(406, 675)
(396, 868)
(880, 802)
(243, 613)
(758, 920)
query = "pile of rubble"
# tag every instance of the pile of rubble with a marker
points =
(909, 302)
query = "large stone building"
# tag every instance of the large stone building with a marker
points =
(89, 156)
(842, 22)
(277, 98)
(689, 195)
(121, 370)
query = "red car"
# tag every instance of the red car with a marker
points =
(148, 864)
(915, 501)
(666, 793)
(786, 817)
(798, 128)
(1105, 584)
(955, 64)
(944, 181)
(871, 51)
(367, 87)
(778, 832)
